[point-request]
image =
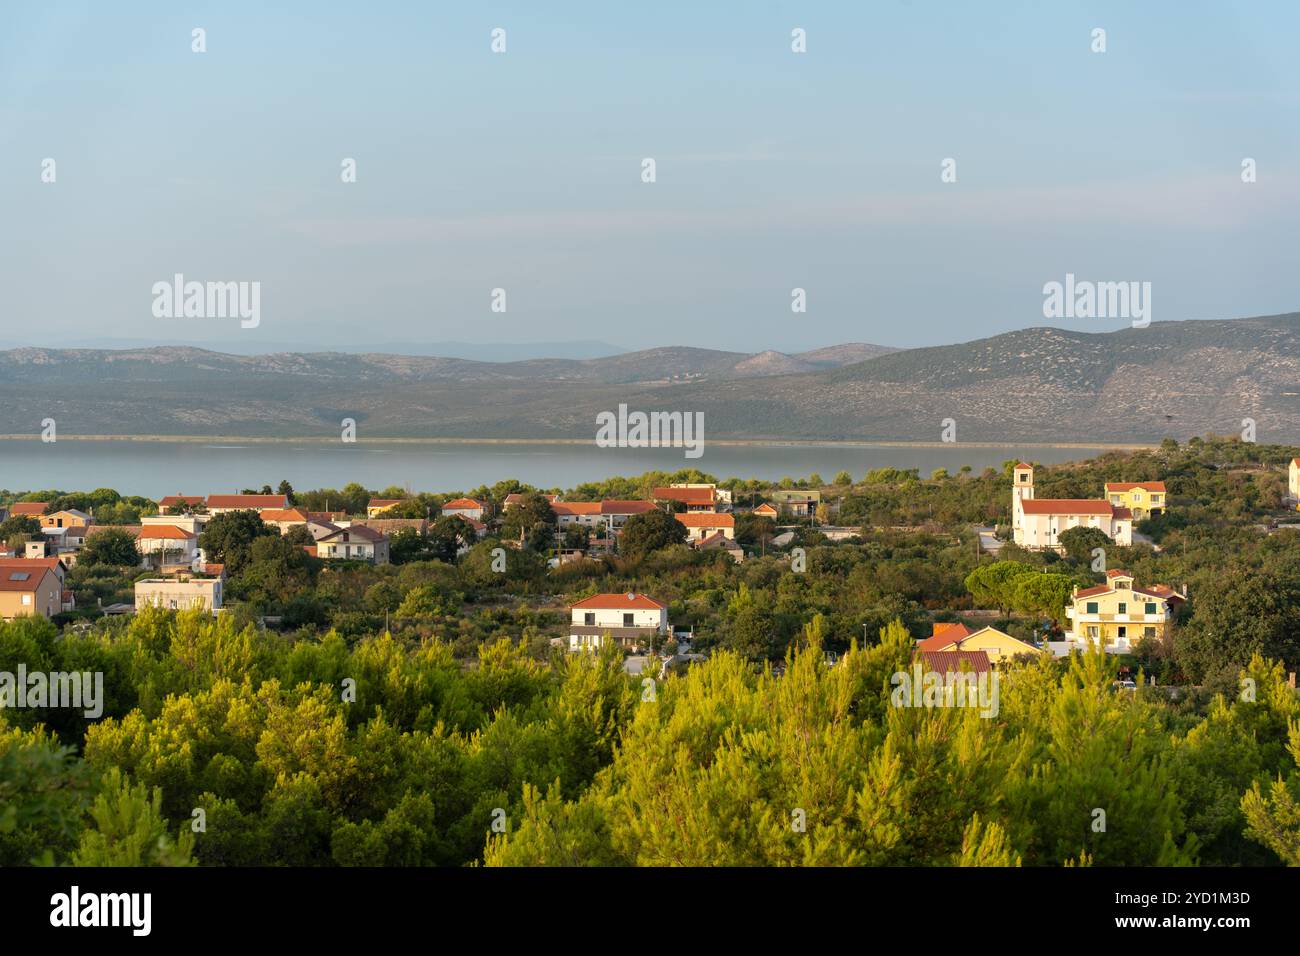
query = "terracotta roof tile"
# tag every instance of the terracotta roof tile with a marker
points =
(706, 519)
(954, 662)
(631, 601)
(1066, 506)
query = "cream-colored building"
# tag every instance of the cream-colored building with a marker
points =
(704, 524)
(1293, 479)
(179, 595)
(1117, 615)
(1038, 523)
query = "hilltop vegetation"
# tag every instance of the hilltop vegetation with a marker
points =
(223, 747)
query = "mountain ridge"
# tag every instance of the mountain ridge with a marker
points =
(1038, 384)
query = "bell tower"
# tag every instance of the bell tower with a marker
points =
(1022, 481)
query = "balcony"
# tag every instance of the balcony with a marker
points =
(1115, 618)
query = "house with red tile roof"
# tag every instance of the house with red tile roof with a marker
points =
(30, 587)
(378, 506)
(694, 497)
(1118, 615)
(702, 524)
(30, 509)
(584, 513)
(1145, 499)
(465, 507)
(997, 645)
(167, 545)
(219, 504)
(284, 519)
(1038, 523)
(631, 619)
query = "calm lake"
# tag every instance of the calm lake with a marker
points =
(157, 468)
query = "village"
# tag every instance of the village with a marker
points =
(1117, 614)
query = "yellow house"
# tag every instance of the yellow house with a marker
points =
(378, 506)
(1144, 498)
(997, 645)
(65, 519)
(1118, 615)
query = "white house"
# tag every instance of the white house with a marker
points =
(354, 543)
(629, 619)
(1038, 523)
(583, 513)
(1293, 478)
(168, 544)
(191, 523)
(465, 507)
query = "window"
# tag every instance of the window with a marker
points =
(589, 617)
(1123, 607)
(1092, 630)
(27, 599)
(627, 619)
(1024, 477)
(1148, 632)
(1151, 607)
(19, 576)
(1092, 607)
(1123, 632)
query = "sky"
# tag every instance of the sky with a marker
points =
(522, 170)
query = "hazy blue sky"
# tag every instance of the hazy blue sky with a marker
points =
(522, 170)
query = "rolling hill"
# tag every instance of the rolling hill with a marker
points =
(1039, 384)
